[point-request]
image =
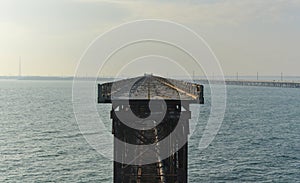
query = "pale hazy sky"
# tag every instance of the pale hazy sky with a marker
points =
(247, 36)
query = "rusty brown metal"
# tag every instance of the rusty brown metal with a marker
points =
(139, 91)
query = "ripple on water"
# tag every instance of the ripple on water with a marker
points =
(41, 142)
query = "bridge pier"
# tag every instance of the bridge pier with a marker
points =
(169, 170)
(150, 122)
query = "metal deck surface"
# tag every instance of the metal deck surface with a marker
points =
(150, 87)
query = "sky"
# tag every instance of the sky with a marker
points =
(247, 36)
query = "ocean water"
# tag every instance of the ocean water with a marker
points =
(40, 141)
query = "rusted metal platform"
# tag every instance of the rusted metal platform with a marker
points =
(161, 109)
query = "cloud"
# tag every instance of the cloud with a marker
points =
(233, 12)
(106, 1)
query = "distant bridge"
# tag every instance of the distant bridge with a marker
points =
(282, 84)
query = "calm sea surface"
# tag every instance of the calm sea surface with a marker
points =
(40, 141)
